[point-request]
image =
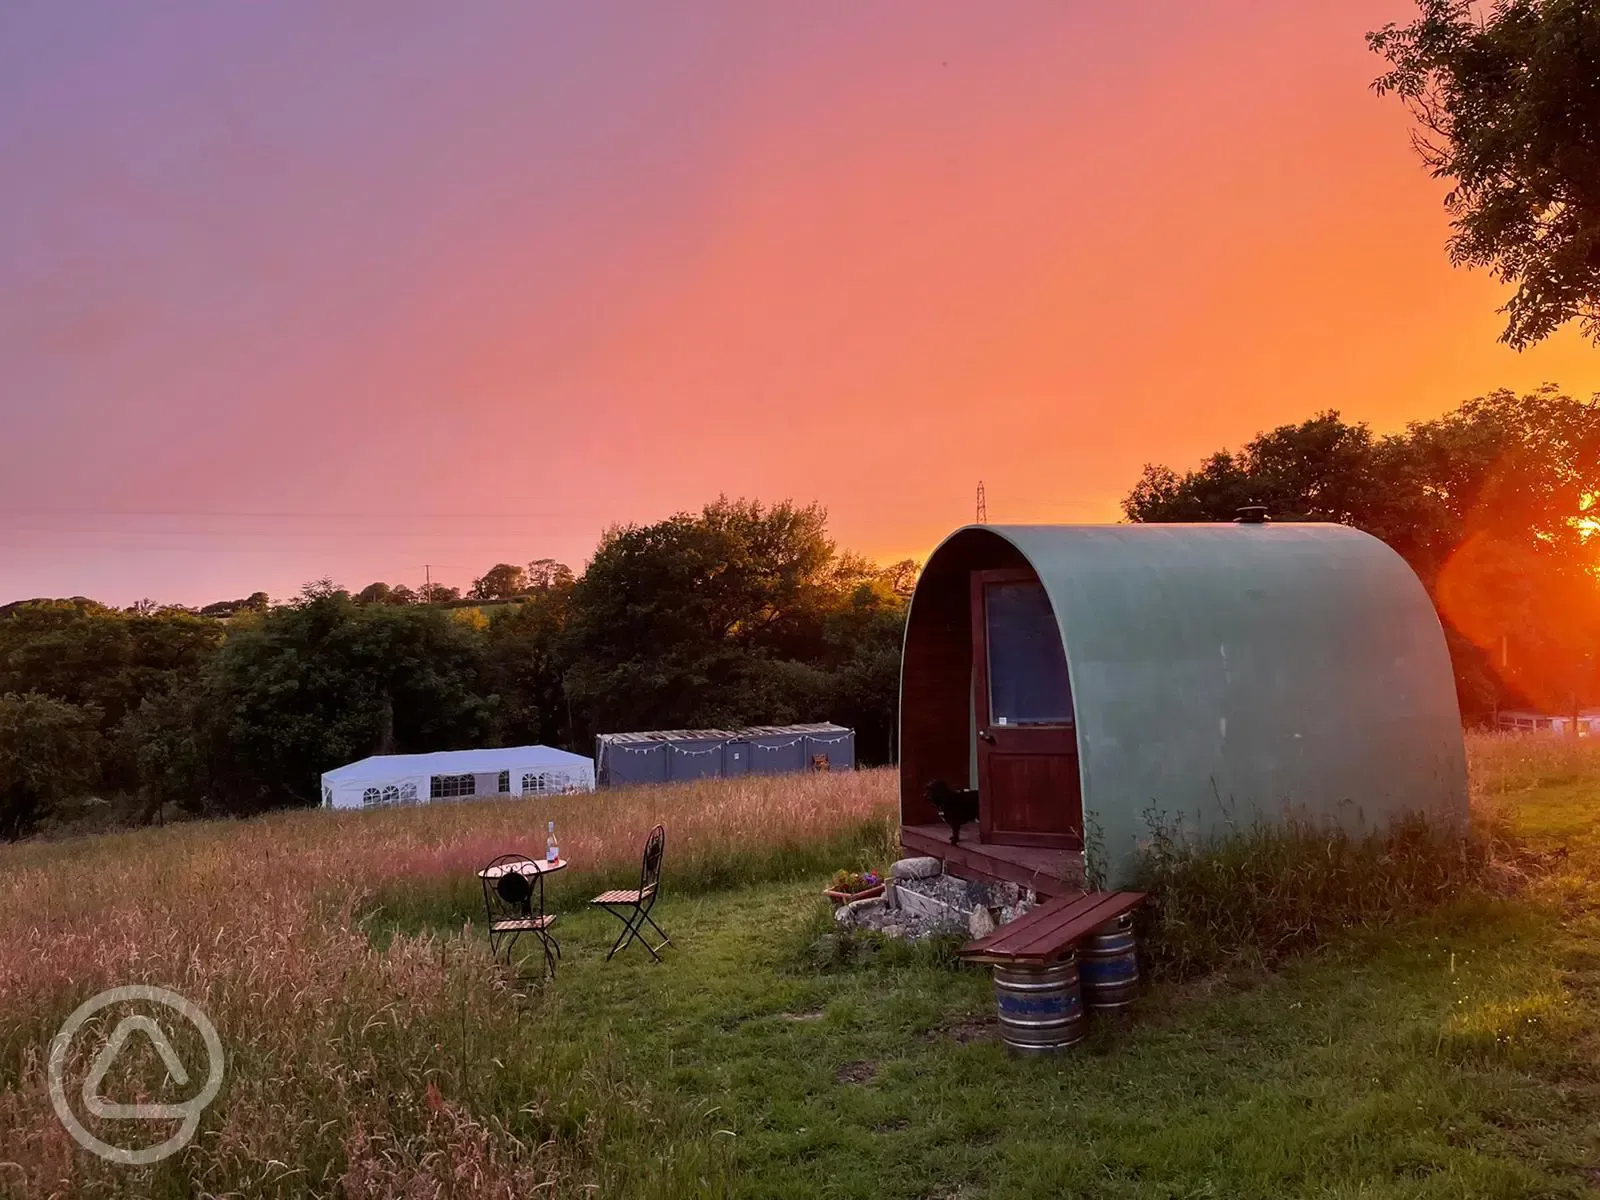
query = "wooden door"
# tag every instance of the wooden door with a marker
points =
(1028, 787)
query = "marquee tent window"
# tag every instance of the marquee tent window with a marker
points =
(382, 797)
(450, 787)
(546, 783)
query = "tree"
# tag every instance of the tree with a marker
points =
(163, 748)
(545, 574)
(1520, 469)
(1487, 504)
(437, 593)
(500, 582)
(104, 662)
(1533, 618)
(49, 753)
(382, 593)
(667, 621)
(1509, 108)
(1319, 470)
(93, 656)
(327, 681)
(321, 589)
(523, 647)
(902, 577)
(742, 614)
(863, 631)
(254, 602)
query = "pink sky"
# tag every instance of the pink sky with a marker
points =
(286, 294)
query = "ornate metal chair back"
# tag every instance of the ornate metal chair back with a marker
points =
(510, 895)
(654, 848)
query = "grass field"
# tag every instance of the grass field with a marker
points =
(374, 1050)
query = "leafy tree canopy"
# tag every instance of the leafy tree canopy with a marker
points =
(328, 681)
(545, 574)
(49, 751)
(739, 614)
(1509, 111)
(742, 613)
(1491, 505)
(500, 582)
(254, 602)
(526, 670)
(90, 655)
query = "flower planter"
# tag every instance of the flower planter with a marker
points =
(847, 897)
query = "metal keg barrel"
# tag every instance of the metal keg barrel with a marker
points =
(1041, 1008)
(1109, 960)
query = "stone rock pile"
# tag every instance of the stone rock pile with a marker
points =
(920, 900)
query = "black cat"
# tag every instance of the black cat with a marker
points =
(956, 808)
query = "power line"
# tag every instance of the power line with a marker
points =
(215, 551)
(214, 532)
(330, 515)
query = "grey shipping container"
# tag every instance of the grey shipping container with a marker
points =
(664, 755)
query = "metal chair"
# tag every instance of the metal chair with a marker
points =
(632, 906)
(508, 899)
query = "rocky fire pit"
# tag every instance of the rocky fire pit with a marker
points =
(921, 900)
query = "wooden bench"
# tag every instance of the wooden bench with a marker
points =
(1049, 931)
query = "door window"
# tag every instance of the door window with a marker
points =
(1027, 666)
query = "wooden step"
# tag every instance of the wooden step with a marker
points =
(1053, 928)
(1048, 872)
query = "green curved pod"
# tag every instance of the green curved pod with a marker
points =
(1221, 674)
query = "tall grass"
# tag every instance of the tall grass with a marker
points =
(720, 834)
(1268, 891)
(1499, 765)
(407, 1064)
(374, 1067)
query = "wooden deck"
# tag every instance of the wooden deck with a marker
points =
(1047, 872)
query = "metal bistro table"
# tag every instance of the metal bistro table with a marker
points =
(509, 900)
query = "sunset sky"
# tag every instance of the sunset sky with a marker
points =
(293, 290)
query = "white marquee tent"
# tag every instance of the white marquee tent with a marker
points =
(386, 779)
